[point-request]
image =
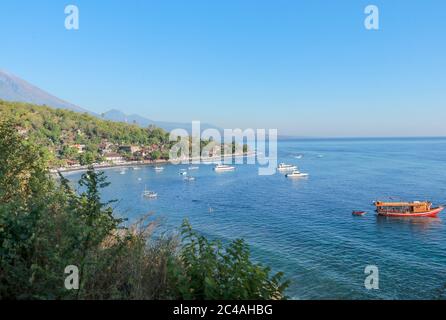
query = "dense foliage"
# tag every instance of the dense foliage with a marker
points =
(211, 271)
(58, 129)
(62, 132)
(45, 226)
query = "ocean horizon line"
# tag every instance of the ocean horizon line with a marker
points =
(294, 138)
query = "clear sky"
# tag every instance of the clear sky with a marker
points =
(308, 68)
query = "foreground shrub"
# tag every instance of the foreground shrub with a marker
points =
(209, 270)
(45, 226)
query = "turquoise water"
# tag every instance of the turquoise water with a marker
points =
(305, 227)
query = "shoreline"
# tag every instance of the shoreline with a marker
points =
(190, 161)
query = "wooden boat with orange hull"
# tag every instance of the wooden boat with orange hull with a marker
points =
(407, 209)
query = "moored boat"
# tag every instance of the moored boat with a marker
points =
(286, 167)
(189, 179)
(407, 209)
(223, 167)
(149, 194)
(359, 213)
(297, 174)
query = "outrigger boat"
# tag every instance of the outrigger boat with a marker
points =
(407, 209)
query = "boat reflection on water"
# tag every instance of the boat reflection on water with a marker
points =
(415, 223)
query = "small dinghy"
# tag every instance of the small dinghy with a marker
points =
(359, 213)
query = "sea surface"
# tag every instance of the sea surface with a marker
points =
(304, 227)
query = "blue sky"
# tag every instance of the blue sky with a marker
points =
(308, 68)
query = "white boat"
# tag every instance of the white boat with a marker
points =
(159, 169)
(123, 172)
(223, 167)
(296, 174)
(286, 167)
(136, 168)
(189, 179)
(194, 168)
(149, 194)
(182, 173)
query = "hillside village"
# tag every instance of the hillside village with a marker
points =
(116, 154)
(75, 140)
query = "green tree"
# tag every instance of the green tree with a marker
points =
(86, 158)
(68, 152)
(155, 155)
(30, 248)
(208, 270)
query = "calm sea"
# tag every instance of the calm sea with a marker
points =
(305, 227)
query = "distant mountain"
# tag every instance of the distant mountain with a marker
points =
(119, 116)
(12, 88)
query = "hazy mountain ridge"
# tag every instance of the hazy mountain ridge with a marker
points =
(117, 115)
(15, 89)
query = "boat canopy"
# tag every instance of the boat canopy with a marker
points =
(416, 206)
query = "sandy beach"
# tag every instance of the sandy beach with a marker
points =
(126, 164)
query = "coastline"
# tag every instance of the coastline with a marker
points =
(125, 164)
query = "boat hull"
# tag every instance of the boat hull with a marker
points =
(431, 214)
(287, 168)
(296, 176)
(223, 169)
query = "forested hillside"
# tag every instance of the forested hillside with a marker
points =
(58, 130)
(72, 139)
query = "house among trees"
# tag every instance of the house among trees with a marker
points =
(105, 147)
(79, 147)
(22, 131)
(113, 157)
(129, 149)
(72, 163)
